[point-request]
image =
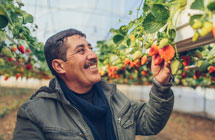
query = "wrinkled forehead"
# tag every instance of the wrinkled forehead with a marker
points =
(75, 40)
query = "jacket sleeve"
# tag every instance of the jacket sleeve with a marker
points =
(152, 116)
(25, 128)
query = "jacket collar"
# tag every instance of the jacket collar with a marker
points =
(54, 91)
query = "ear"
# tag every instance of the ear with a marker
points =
(58, 66)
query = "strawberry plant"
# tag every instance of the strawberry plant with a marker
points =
(152, 33)
(21, 54)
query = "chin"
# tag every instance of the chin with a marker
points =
(96, 79)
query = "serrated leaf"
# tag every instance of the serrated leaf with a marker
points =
(160, 12)
(151, 24)
(27, 18)
(118, 39)
(198, 5)
(193, 18)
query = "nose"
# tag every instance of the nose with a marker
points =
(91, 54)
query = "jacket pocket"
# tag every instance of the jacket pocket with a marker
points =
(127, 119)
(126, 116)
(55, 134)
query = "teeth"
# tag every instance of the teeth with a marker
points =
(92, 67)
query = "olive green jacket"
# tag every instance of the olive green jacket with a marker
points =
(49, 115)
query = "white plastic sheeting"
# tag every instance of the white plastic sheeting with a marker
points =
(199, 101)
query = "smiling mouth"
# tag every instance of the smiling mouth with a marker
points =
(93, 67)
(91, 64)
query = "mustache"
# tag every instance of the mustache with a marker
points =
(90, 63)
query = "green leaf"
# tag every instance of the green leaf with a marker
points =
(211, 54)
(204, 66)
(122, 47)
(27, 18)
(128, 42)
(211, 6)
(193, 18)
(145, 7)
(198, 5)
(172, 34)
(118, 39)
(161, 35)
(3, 21)
(160, 12)
(19, 3)
(5, 13)
(152, 24)
(123, 30)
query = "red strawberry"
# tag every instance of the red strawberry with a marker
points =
(28, 66)
(144, 73)
(122, 68)
(10, 59)
(131, 64)
(6, 77)
(21, 49)
(144, 60)
(153, 50)
(126, 62)
(17, 76)
(184, 75)
(186, 61)
(117, 76)
(186, 68)
(137, 63)
(167, 52)
(212, 69)
(28, 51)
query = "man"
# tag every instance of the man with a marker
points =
(78, 104)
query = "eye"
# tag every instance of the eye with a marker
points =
(81, 51)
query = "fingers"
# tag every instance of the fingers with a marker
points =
(167, 66)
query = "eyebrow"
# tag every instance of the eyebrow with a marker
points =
(82, 46)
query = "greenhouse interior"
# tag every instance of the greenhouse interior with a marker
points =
(107, 70)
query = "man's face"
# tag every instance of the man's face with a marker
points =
(81, 64)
